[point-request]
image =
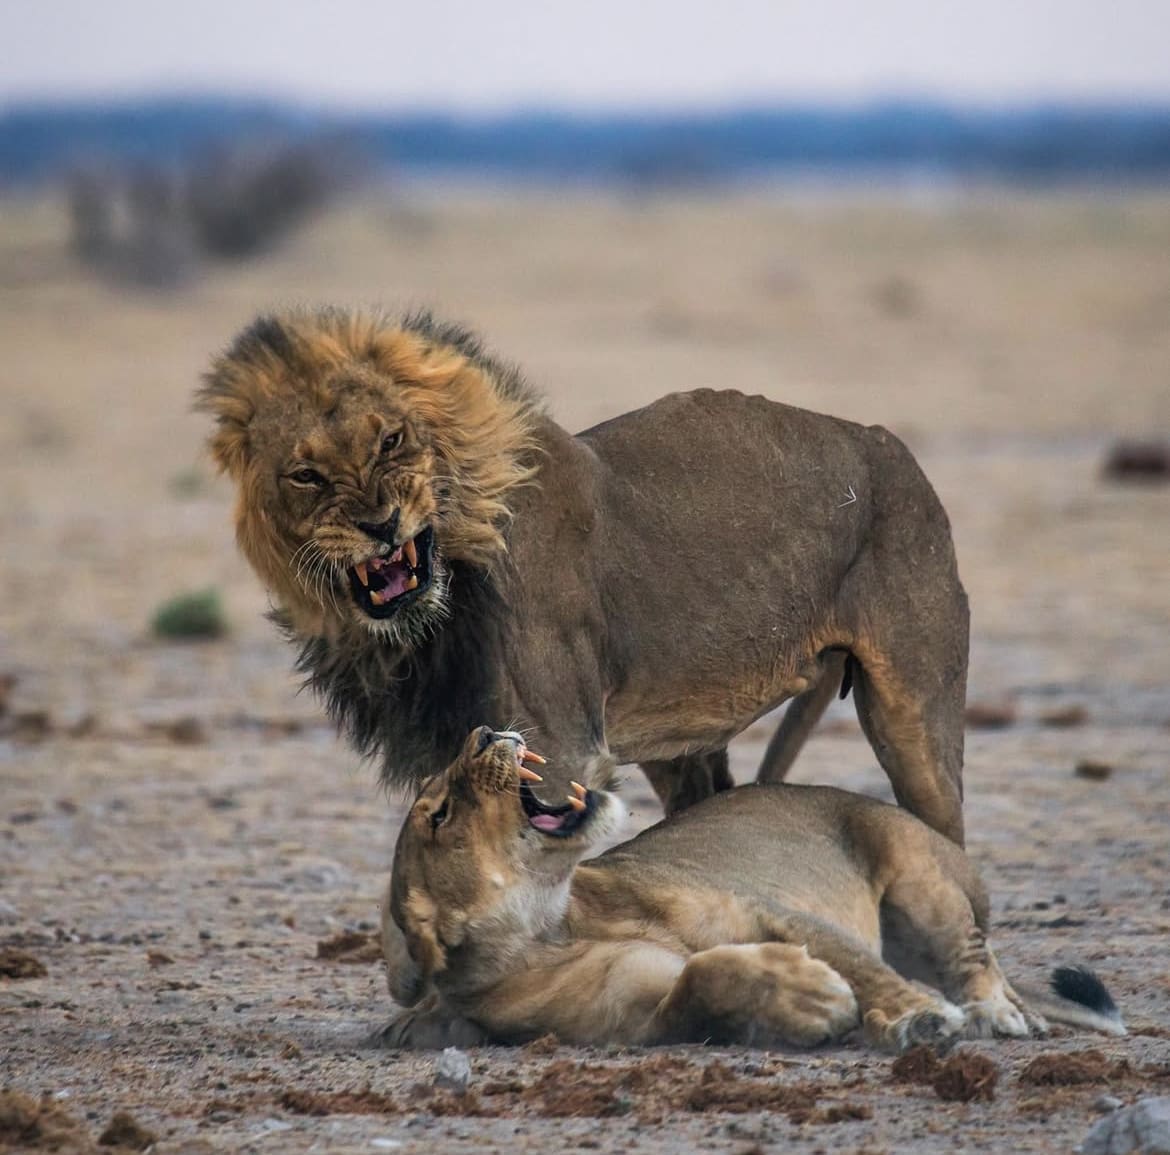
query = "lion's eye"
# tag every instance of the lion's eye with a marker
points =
(438, 817)
(306, 477)
(391, 442)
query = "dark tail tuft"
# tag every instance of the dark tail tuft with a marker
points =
(1080, 985)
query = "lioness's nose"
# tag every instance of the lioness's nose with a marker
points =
(486, 738)
(383, 532)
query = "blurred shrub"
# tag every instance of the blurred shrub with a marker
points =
(154, 225)
(191, 616)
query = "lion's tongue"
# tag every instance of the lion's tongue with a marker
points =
(547, 822)
(393, 578)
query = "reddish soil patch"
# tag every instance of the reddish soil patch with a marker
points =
(350, 946)
(1072, 1068)
(918, 1065)
(966, 1077)
(125, 1131)
(19, 964)
(38, 1124)
(363, 1102)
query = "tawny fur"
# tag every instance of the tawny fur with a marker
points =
(639, 592)
(767, 915)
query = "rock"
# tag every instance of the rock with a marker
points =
(1143, 1129)
(1093, 770)
(1106, 1103)
(990, 715)
(452, 1071)
(1138, 461)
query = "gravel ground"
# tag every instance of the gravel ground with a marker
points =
(190, 861)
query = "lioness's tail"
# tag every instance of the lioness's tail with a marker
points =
(1076, 997)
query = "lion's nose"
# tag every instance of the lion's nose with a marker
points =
(385, 531)
(485, 739)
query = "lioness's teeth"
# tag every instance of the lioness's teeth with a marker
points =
(579, 790)
(412, 582)
(360, 570)
(411, 553)
(532, 756)
(575, 802)
(376, 597)
(527, 775)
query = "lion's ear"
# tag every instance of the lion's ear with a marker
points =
(233, 412)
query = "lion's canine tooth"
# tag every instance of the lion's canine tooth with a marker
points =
(360, 570)
(412, 582)
(376, 597)
(575, 802)
(579, 790)
(411, 553)
(527, 775)
(531, 756)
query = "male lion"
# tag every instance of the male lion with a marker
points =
(766, 915)
(641, 592)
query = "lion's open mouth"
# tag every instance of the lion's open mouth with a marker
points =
(383, 585)
(558, 821)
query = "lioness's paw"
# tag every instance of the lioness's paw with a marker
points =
(939, 1025)
(427, 1029)
(998, 1018)
(811, 1003)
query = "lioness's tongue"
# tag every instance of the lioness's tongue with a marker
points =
(547, 822)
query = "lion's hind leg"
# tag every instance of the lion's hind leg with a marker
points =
(757, 994)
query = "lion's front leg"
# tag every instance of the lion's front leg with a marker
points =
(758, 994)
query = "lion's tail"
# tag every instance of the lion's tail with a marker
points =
(1076, 997)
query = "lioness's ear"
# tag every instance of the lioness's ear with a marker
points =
(413, 952)
(403, 975)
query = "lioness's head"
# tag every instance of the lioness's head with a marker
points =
(368, 454)
(481, 860)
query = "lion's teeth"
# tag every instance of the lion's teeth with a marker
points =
(579, 790)
(376, 597)
(412, 582)
(411, 553)
(575, 802)
(360, 570)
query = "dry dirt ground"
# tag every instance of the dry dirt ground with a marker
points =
(179, 831)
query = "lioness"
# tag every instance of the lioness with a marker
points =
(641, 592)
(765, 915)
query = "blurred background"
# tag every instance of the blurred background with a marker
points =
(952, 219)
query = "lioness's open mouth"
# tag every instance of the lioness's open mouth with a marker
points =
(383, 585)
(558, 821)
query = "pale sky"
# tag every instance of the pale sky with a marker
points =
(493, 55)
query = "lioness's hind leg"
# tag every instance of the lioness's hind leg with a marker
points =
(681, 782)
(758, 994)
(897, 1014)
(932, 930)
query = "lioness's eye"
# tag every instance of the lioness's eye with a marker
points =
(306, 477)
(391, 442)
(438, 817)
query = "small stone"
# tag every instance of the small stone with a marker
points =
(1106, 1103)
(1143, 1129)
(1092, 770)
(452, 1071)
(990, 715)
(8, 913)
